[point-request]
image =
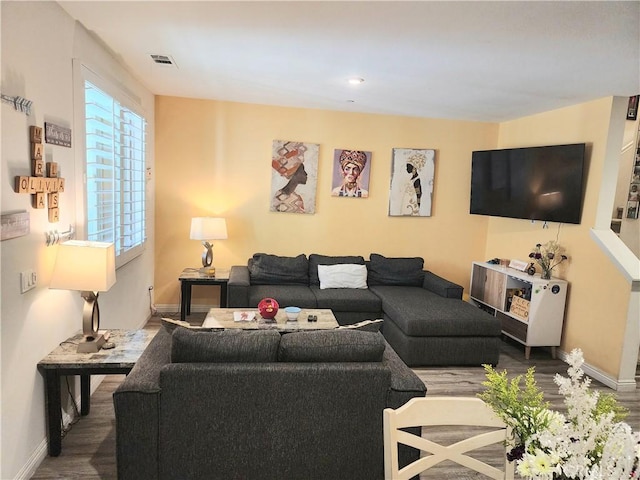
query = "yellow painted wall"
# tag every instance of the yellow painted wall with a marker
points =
(598, 294)
(214, 158)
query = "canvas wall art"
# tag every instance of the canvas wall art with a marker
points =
(412, 173)
(351, 173)
(294, 176)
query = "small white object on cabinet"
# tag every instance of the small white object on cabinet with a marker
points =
(530, 309)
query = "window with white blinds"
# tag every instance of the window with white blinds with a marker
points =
(115, 172)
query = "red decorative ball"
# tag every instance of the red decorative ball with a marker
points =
(268, 307)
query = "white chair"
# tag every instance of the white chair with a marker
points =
(442, 411)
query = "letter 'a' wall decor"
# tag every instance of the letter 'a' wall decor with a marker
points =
(44, 184)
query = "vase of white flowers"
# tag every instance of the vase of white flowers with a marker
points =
(589, 441)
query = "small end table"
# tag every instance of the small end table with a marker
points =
(193, 276)
(65, 360)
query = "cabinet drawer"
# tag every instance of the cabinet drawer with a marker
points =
(513, 327)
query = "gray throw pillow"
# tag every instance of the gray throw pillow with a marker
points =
(170, 324)
(266, 269)
(331, 346)
(402, 271)
(225, 346)
(316, 259)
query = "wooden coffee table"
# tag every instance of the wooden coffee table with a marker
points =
(223, 318)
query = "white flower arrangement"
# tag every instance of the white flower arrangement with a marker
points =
(589, 442)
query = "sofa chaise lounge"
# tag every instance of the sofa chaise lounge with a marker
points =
(260, 405)
(425, 319)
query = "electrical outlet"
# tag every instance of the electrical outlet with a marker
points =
(28, 280)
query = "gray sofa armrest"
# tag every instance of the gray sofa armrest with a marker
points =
(405, 384)
(238, 286)
(441, 286)
(137, 409)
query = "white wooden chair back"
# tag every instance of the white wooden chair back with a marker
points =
(442, 411)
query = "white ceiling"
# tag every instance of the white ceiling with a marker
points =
(484, 61)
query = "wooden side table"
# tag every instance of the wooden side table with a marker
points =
(190, 277)
(64, 360)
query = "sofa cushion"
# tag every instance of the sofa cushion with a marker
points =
(331, 346)
(364, 326)
(406, 271)
(347, 300)
(285, 295)
(421, 313)
(188, 346)
(316, 259)
(265, 269)
(342, 275)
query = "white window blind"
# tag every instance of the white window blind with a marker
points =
(115, 172)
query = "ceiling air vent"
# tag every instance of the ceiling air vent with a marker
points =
(165, 60)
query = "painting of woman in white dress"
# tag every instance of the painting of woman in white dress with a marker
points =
(294, 176)
(412, 173)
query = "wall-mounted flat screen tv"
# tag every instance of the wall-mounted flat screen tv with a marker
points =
(535, 183)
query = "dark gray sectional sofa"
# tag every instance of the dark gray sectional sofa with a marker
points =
(425, 319)
(260, 405)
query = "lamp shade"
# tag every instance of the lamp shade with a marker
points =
(208, 228)
(84, 266)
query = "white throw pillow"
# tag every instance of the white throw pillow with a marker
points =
(343, 275)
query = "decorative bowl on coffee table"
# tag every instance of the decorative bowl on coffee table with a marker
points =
(292, 313)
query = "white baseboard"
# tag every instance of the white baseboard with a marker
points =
(602, 377)
(29, 469)
(40, 453)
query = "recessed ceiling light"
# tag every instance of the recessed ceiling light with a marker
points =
(356, 80)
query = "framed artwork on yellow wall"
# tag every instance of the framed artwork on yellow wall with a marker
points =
(294, 176)
(412, 174)
(351, 173)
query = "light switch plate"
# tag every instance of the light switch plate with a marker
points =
(28, 280)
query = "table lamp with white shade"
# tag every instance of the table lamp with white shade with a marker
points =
(90, 268)
(206, 229)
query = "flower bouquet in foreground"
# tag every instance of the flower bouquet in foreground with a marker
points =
(590, 441)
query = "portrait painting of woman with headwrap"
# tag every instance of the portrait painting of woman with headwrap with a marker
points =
(412, 172)
(294, 167)
(351, 173)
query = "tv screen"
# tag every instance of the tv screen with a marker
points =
(536, 183)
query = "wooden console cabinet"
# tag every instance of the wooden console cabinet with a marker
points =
(530, 309)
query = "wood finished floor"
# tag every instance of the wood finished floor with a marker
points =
(88, 449)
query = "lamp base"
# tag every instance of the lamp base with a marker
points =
(94, 345)
(210, 270)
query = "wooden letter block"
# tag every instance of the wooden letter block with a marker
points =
(52, 169)
(49, 184)
(22, 185)
(36, 151)
(36, 184)
(36, 134)
(54, 214)
(61, 184)
(38, 168)
(38, 200)
(52, 200)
